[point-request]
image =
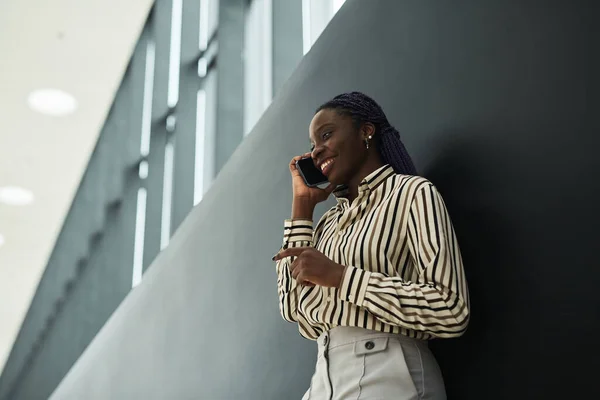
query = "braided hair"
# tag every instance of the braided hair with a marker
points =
(361, 108)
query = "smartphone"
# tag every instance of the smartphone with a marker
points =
(312, 175)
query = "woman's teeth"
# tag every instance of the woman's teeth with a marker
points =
(325, 164)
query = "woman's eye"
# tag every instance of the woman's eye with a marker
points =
(326, 135)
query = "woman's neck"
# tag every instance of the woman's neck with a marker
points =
(368, 168)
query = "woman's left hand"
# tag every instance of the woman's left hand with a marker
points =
(311, 267)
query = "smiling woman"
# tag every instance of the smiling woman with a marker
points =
(381, 273)
(347, 124)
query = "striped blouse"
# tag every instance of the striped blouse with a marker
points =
(404, 269)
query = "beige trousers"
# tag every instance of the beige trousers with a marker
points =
(360, 364)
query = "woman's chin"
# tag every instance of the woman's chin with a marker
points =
(331, 179)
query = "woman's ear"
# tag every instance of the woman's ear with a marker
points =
(367, 130)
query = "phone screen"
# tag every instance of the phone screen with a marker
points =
(309, 171)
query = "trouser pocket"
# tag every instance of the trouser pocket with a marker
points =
(385, 374)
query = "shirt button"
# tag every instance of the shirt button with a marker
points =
(369, 345)
(340, 233)
(328, 300)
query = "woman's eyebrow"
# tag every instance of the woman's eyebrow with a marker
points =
(325, 125)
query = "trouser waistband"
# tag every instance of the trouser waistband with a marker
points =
(343, 335)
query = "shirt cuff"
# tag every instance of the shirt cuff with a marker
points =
(354, 285)
(297, 230)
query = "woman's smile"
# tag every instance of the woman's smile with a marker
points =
(327, 165)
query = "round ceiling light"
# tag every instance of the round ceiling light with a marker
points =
(15, 196)
(52, 102)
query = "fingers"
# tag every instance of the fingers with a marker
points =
(303, 280)
(290, 252)
(299, 274)
(297, 158)
(294, 270)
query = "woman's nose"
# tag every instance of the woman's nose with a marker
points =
(316, 152)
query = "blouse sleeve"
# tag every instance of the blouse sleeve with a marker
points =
(438, 303)
(296, 233)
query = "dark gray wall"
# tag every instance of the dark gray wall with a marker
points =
(498, 103)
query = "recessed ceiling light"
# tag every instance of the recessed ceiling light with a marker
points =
(15, 196)
(52, 102)
(1, 239)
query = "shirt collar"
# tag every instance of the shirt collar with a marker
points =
(370, 182)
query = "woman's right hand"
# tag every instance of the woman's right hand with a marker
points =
(303, 193)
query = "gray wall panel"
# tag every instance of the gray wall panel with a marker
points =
(498, 105)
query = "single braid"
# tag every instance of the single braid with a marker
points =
(361, 108)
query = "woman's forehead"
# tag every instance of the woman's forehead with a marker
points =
(323, 118)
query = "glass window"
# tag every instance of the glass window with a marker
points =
(206, 119)
(165, 231)
(316, 14)
(140, 227)
(258, 61)
(175, 53)
(209, 19)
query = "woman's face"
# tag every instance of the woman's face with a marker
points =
(338, 148)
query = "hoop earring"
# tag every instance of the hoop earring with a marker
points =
(367, 142)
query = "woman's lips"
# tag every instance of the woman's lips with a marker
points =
(328, 165)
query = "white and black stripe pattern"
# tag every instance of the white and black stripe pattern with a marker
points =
(404, 270)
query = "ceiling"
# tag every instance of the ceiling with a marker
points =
(81, 47)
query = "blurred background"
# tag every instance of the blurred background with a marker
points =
(117, 116)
